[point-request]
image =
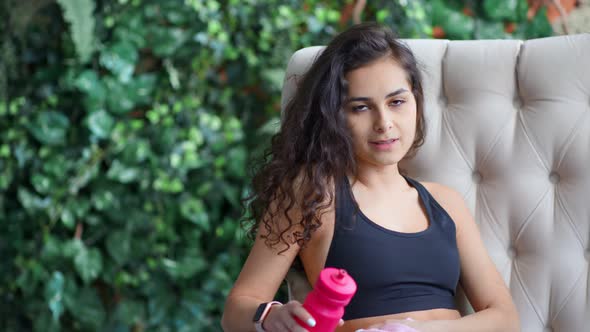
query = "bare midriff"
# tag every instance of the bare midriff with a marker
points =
(433, 314)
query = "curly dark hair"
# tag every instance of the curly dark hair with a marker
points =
(313, 148)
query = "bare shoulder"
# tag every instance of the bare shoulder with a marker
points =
(450, 200)
(446, 196)
(303, 188)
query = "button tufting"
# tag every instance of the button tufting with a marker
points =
(476, 176)
(511, 252)
(443, 101)
(554, 177)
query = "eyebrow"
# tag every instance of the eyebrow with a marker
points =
(391, 94)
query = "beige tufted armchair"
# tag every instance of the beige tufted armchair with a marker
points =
(508, 126)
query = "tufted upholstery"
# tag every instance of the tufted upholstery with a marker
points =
(508, 126)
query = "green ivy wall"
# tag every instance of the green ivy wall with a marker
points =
(126, 133)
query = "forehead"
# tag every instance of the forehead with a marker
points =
(377, 77)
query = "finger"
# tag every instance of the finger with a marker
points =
(278, 320)
(294, 326)
(290, 320)
(299, 311)
(274, 326)
(286, 323)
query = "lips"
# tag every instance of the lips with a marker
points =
(387, 141)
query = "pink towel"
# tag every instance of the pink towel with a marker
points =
(392, 327)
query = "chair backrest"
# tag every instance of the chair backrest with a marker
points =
(508, 126)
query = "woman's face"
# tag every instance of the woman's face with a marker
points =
(381, 112)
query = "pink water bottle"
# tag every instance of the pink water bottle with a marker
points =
(326, 302)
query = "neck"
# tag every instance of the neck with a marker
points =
(383, 178)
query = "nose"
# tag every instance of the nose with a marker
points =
(383, 122)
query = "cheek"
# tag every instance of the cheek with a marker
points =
(354, 127)
(356, 134)
(410, 125)
(412, 116)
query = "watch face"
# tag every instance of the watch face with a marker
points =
(259, 312)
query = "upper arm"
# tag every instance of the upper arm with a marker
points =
(480, 278)
(266, 267)
(264, 271)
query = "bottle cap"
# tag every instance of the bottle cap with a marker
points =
(337, 285)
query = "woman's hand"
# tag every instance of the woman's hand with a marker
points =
(282, 318)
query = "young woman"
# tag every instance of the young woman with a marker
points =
(331, 194)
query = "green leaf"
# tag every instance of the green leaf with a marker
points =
(130, 312)
(118, 246)
(122, 173)
(44, 322)
(80, 15)
(103, 200)
(231, 193)
(186, 268)
(54, 291)
(42, 183)
(32, 202)
(136, 151)
(56, 165)
(501, 10)
(67, 218)
(119, 99)
(50, 127)
(454, 22)
(166, 40)
(539, 26)
(237, 166)
(51, 248)
(193, 209)
(88, 263)
(131, 30)
(87, 308)
(274, 76)
(141, 88)
(522, 10)
(167, 184)
(120, 60)
(160, 306)
(6, 175)
(100, 123)
(72, 247)
(79, 206)
(489, 30)
(89, 83)
(86, 171)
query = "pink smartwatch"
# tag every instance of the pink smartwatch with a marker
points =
(261, 314)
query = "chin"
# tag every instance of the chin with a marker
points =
(384, 163)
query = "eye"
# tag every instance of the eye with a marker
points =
(397, 102)
(360, 108)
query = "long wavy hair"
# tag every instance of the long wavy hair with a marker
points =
(313, 148)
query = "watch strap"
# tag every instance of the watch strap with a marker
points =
(260, 321)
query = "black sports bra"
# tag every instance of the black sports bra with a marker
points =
(395, 272)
